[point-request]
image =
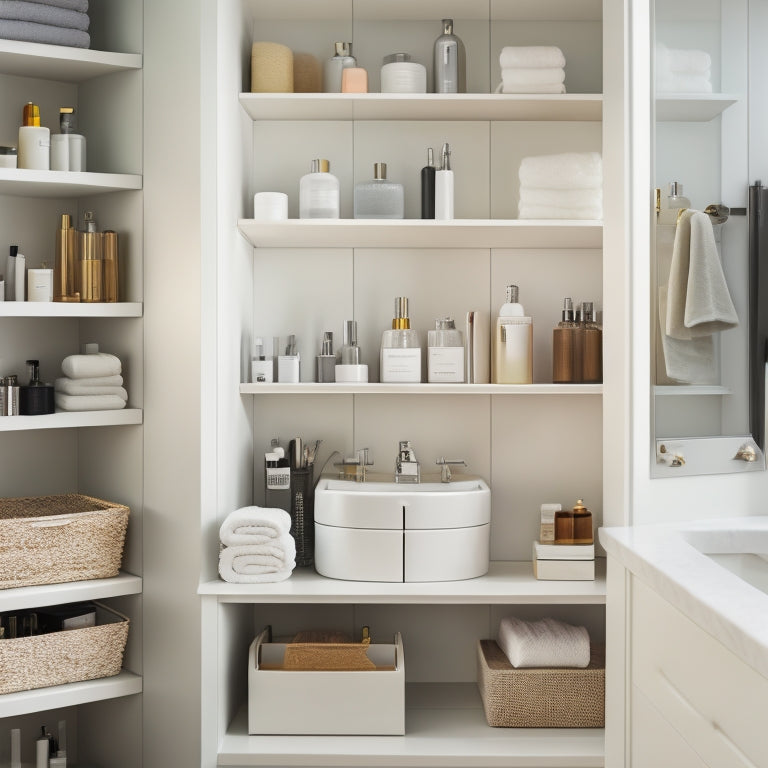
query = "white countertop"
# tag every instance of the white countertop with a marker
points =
(671, 560)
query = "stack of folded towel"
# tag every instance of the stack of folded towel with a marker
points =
(565, 186)
(544, 643)
(56, 22)
(91, 382)
(256, 546)
(532, 69)
(682, 70)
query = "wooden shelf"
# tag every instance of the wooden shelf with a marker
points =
(506, 583)
(22, 182)
(419, 233)
(444, 725)
(70, 694)
(17, 598)
(692, 107)
(70, 419)
(310, 388)
(65, 309)
(423, 106)
(61, 63)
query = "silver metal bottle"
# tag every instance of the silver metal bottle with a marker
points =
(449, 72)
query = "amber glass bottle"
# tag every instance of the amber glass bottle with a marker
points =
(574, 526)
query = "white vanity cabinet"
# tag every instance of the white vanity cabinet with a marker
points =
(98, 453)
(532, 444)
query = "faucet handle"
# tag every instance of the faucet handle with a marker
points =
(445, 465)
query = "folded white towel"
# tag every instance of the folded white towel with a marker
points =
(683, 84)
(569, 170)
(90, 366)
(545, 643)
(254, 525)
(524, 76)
(592, 213)
(561, 198)
(74, 387)
(531, 56)
(531, 88)
(258, 563)
(683, 60)
(30, 32)
(698, 300)
(88, 402)
(100, 381)
(43, 14)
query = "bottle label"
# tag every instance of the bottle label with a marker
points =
(401, 365)
(445, 364)
(278, 478)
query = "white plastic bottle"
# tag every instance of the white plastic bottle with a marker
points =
(34, 141)
(319, 193)
(444, 187)
(512, 359)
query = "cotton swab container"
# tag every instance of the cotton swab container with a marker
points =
(271, 68)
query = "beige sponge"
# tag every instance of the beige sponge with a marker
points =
(271, 68)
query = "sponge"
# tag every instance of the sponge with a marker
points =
(271, 68)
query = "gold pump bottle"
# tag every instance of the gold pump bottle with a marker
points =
(65, 266)
(91, 260)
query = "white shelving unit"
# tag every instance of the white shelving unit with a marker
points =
(692, 107)
(23, 182)
(75, 309)
(70, 419)
(420, 389)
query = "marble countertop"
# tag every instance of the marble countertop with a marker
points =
(671, 560)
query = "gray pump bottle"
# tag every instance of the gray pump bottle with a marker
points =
(450, 68)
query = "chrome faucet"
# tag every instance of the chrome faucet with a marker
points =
(353, 467)
(445, 467)
(407, 468)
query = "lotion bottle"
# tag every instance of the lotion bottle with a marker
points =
(512, 359)
(449, 62)
(444, 186)
(564, 358)
(34, 140)
(319, 192)
(400, 348)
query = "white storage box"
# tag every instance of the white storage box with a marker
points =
(285, 701)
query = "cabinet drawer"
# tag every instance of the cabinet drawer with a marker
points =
(716, 702)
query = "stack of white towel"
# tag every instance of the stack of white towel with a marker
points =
(564, 186)
(91, 382)
(256, 546)
(55, 22)
(544, 643)
(682, 70)
(532, 69)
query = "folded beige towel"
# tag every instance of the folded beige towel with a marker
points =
(531, 56)
(100, 381)
(88, 402)
(567, 170)
(75, 387)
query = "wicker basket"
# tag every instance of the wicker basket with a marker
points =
(540, 698)
(62, 657)
(53, 539)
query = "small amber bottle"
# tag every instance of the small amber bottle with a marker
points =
(574, 526)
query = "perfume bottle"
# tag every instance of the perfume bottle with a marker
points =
(512, 358)
(349, 364)
(444, 186)
(445, 353)
(564, 358)
(341, 60)
(65, 262)
(449, 62)
(675, 197)
(592, 349)
(319, 192)
(400, 348)
(574, 526)
(379, 198)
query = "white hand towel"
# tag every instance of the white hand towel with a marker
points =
(90, 366)
(531, 56)
(88, 402)
(75, 387)
(569, 170)
(524, 76)
(698, 300)
(591, 213)
(100, 381)
(683, 60)
(545, 643)
(683, 84)
(254, 525)
(531, 88)
(258, 563)
(561, 198)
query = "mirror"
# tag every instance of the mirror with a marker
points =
(708, 374)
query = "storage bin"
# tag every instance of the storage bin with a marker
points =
(62, 657)
(540, 697)
(53, 539)
(360, 702)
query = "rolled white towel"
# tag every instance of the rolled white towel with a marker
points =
(90, 366)
(677, 83)
(254, 525)
(523, 76)
(545, 643)
(258, 563)
(569, 170)
(591, 213)
(74, 387)
(531, 88)
(88, 402)
(561, 198)
(531, 56)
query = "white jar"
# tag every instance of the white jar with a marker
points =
(8, 157)
(401, 75)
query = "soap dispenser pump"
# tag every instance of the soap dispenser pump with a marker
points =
(512, 359)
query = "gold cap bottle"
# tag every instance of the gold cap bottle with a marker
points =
(111, 270)
(91, 261)
(65, 266)
(30, 116)
(401, 321)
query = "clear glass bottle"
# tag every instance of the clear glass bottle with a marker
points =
(379, 198)
(341, 59)
(592, 354)
(564, 359)
(319, 192)
(675, 198)
(449, 69)
(512, 358)
(445, 353)
(400, 360)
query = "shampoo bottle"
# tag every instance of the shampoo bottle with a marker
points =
(34, 140)
(428, 187)
(341, 60)
(319, 192)
(592, 348)
(512, 359)
(400, 348)
(444, 186)
(449, 62)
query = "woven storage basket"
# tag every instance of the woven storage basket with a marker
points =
(538, 697)
(62, 657)
(53, 539)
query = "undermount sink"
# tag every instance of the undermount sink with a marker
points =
(380, 530)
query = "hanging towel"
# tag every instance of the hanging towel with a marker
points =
(531, 56)
(91, 366)
(545, 643)
(75, 387)
(72, 5)
(569, 170)
(43, 14)
(254, 525)
(88, 402)
(29, 32)
(258, 563)
(698, 300)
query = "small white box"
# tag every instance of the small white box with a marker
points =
(326, 702)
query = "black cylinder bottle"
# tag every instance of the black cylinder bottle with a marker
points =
(428, 187)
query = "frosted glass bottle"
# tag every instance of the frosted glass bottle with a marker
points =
(319, 193)
(445, 353)
(379, 198)
(400, 359)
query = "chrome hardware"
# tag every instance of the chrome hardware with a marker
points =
(445, 467)
(665, 456)
(353, 467)
(407, 468)
(746, 452)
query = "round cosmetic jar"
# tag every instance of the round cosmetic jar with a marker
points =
(8, 157)
(401, 75)
(270, 206)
